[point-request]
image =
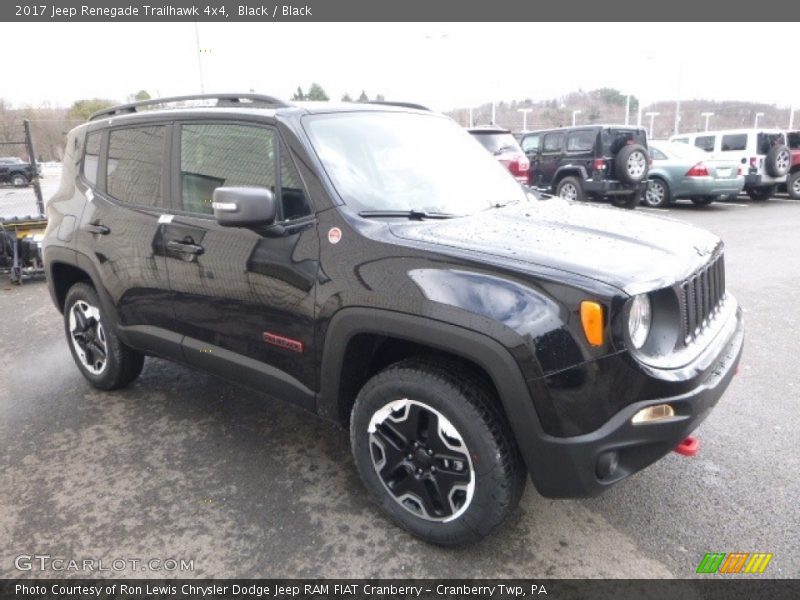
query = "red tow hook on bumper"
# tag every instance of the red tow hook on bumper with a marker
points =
(690, 446)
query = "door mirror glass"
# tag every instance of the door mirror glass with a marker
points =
(244, 206)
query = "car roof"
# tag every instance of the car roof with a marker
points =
(585, 126)
(487, 129)
(727, 132)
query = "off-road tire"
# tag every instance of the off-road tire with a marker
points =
(473, 410)
(778, 161)
(19, 180)
(569, 184)
(760, 194)
(621, 166)
(122, 364)
(793, 185)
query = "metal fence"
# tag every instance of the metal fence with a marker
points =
(20, 200)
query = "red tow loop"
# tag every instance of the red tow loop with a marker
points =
(688, 447)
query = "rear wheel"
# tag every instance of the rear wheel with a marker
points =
(793, 185)
(435, 452)
(658, 194)
(570, 188)
(19, 180)
(703, 200)
(760, 194)
(102, 358)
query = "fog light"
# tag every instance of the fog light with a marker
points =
(653, 413)
(607, 464)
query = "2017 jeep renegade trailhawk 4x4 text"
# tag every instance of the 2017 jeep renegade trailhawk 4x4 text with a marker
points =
(465, 331)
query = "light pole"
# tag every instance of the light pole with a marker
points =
(678, 101)
(627, 108)
(791, 118)
(524, 112)
(575, 113)
(758, 114)
(652, 116)
(199, 58)
(707, 115)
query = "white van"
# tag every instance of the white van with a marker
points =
(762, 154)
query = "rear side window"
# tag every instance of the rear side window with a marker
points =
(91, 159)
(581, 141)
(497, 143)
(794, 140)
(136, 165)
(656, 154)
(734, 141)
(553, 142)
(705, 142)
(220, 154)
(766, 141)
(681, 140)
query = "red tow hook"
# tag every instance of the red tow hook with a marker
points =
(690, 446)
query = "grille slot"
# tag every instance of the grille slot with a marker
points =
(701, 297)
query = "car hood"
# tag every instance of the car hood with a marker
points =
(633, 252)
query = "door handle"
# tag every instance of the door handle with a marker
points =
(97, 228)
(185, 247)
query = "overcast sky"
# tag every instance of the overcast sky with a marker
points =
(441, 65)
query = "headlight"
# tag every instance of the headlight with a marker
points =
(639, 320)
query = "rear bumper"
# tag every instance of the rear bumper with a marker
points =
(568, 467)
(756, 180)
(605, 187)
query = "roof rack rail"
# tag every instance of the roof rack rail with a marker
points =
(222, 100)
(400, 104)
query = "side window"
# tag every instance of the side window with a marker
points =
(705, 142)
(581, 141)
(136, 164)
(220, 154)
(656, 154)
(681, 140)
(293, 198)
(91, 159)
(552, 142)
(734, 141)
(530, 144)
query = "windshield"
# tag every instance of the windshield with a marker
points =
(407, 161)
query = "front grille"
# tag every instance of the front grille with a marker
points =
(701, 297)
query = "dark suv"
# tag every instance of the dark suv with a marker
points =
(590, 162)
(16, 171)
(466, 332)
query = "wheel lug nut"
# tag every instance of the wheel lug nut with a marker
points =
(410, 456)
(419, 471)
(433, 469)
(430, 452)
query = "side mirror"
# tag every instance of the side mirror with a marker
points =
(244, 206)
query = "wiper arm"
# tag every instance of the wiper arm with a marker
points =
(408, 214)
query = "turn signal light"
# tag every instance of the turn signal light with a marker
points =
(653, 413)
(592, 321)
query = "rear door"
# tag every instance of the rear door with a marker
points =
(243, 297)
(125, 179)
(550, 157)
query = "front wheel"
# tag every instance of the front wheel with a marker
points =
(435, 452)
(101, 356)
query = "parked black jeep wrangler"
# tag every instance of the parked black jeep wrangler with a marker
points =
(590, 162)
(465, 331)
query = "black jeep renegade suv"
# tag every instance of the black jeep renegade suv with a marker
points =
(466, 332)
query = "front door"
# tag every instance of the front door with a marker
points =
(243, 298)
(550, 156)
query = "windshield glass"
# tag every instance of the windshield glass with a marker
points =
(405, 161)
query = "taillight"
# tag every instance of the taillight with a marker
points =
(519, 166)
(599, 164)
(699, 170)
(753, 162)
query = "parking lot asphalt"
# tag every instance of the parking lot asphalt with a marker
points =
(184, 466)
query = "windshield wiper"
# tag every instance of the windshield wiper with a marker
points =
(502, 204)
(408, 214)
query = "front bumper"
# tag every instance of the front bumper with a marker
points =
(610, 187)
(569, 465)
